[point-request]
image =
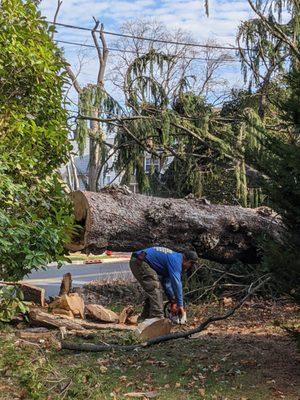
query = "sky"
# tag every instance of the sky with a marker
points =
(225, 17)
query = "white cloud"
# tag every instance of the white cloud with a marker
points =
(224, 18)
(189, 15)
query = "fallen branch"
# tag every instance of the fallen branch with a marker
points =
(165, 338)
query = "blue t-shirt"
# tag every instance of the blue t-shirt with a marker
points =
(168, 265)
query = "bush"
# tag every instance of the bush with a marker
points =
(11, 303)
(35, 216)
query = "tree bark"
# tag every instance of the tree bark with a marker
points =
(115, 219)
(41, 318)
(95, 153)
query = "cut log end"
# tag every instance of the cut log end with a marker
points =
(81, 212)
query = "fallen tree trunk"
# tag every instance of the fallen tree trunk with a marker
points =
(118, 220)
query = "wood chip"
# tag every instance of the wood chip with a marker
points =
(125, 314)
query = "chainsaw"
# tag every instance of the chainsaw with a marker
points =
(176, 319)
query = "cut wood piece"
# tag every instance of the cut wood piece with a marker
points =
(41, 318)
(149, 330)
(73, 302)
(62, 312)
(54, 304)
(125, 314)
(142, 395)
(101, 313)
(66, 284)
(220, 233)
(69, 302)
(132, 320)
(31, 293)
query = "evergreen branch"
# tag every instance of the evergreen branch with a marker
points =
(138, 141)
(276, 30)
(209, 146)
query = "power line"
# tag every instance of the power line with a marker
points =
(133, 52)
(206, 46)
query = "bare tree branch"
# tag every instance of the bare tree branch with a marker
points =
(59, 3)
(73, 78)
(102, 53)
(171, 336)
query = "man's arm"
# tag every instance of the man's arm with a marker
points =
(167, 285)
(174, 269)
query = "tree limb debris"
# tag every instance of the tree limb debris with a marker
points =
(165, 338)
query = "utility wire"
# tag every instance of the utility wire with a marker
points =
(133, 52)
(206, 46)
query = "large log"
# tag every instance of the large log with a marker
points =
(118, 220)
(40, 318)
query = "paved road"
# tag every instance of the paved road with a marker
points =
(50, 278)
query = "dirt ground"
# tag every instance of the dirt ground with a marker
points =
(247, 357)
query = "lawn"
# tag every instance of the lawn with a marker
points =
(248, 358)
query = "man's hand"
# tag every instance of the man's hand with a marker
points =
(174, 308)
(181, 315)
(180, 311)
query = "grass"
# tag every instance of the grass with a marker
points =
(85, 257)
(246, 358)
(183, 370)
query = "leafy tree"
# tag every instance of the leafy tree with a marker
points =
(181, 125)
(278, 154)
(34, 213)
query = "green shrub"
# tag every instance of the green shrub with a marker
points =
(35, 220)
(11, 303)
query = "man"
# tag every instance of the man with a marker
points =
(159, 266)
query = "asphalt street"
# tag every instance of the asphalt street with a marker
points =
(50, 278)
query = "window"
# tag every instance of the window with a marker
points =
(106, 180)
(149, 162)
